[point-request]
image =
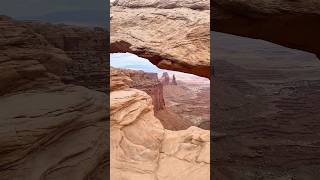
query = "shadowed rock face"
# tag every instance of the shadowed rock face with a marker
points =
(266, 100)
(291, 23)
(49, 130)
(86, 49)
(173, 35)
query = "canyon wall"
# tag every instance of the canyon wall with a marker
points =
(49, 129)
(294, 24)
(147, 82)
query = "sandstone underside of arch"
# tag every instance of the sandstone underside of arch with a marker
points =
(291, 23)
(173, 35)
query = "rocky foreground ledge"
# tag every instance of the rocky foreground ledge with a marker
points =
(142, 149)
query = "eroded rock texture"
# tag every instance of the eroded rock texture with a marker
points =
(49, 130)
(142, 149)
(149, 83)
(291, 23)
(171, 34)
(86, 48)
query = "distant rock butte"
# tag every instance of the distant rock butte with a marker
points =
(174, 81)
(172, 34)
(165, 79)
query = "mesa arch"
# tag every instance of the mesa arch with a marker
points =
(291, 23)
(172, 35)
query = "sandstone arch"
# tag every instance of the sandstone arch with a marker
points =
(172, 35)
(290, 23)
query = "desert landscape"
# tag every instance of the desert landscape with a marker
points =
(149, 139)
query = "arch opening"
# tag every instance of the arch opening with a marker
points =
(180, 99)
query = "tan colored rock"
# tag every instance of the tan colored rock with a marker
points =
(171, 34)
(164, 4)
(140, 148)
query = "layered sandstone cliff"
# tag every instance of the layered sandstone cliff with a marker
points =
(142, 149)
(49, 130)
(149, 83)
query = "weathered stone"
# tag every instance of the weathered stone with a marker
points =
(142, 149)
(171, 34)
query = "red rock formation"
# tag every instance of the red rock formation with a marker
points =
(147, 82)
(165, 79)
(174, 82)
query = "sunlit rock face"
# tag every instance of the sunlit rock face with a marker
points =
(293, 24)
(140, 146)
(173, 35)
(147, 82)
